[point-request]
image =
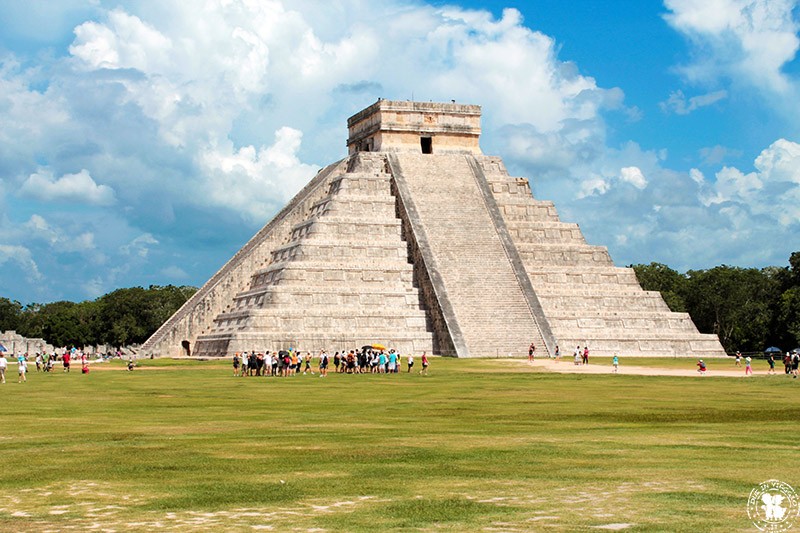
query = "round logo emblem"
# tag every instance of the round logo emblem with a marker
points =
(773, 506)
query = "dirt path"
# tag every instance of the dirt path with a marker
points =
(568, 367)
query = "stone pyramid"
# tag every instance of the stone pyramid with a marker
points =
(419, 242)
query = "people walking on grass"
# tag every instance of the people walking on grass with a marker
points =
(3, 367)
(748, 368)
(39, 362)
(410, 362)
(308, 364)
(22, 365)
(531, 353)
(615, 362)
(738, 361)
(424, 364)
(787, 363)
(771, 363)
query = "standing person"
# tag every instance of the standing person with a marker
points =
(748, 369)
(787, 363)
(585, 355)
(738, 361)
(39, 361)
(308, 364)
(795, 364)
(531, 353)
(236, 364)
(23, 368)
(771, 362)
(268, 358)
(615, 362)
(3, 366)
(558, 353)
(323, 364)
(245, 364)
(410, 362)
(65, 361)
(392, 362)
(577, 355)
(424, 364)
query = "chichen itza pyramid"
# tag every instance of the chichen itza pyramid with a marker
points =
(418, 241)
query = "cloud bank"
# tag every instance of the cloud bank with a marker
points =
(154, 143)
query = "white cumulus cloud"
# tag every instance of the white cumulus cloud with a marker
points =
(677, 102)
(746, 39)
(77, 188)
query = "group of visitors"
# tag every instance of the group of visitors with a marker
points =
(45, 362)
(791, 361)
(581, 357)
(285, 363)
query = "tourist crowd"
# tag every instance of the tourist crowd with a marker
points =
(290, 362)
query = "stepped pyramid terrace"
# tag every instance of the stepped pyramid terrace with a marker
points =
(418, 241)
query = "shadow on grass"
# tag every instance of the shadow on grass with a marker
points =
(455, 514)
(225, 495)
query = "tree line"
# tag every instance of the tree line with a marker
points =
(749, 308)
(119, 318)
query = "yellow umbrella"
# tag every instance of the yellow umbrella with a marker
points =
(378, 347)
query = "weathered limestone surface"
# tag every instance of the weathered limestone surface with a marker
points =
(588, 301)
(16, 343)
(420, 242)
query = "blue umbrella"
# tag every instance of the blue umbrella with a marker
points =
(3, 348)
(773, 349)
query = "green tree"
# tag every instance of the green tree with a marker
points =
(670, 283)
(10, 313)
(735, 303)
(789, 318)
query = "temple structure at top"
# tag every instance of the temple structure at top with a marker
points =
(418, 241)
(422, 127)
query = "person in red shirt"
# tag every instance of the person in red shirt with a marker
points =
(65, 360)
(424, 364)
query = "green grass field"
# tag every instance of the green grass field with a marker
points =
(476, 445)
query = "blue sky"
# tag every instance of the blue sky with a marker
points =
(143, 143)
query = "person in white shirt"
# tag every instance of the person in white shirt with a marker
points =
(3, 366)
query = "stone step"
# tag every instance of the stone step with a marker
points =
(550, 278)
(256, 322)
(593, 256)
(337, 229)
(313, 272)
(380, 205)
(646, 301)
(699, 346)
(288, 296)
(319, 249)
(474, 282)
